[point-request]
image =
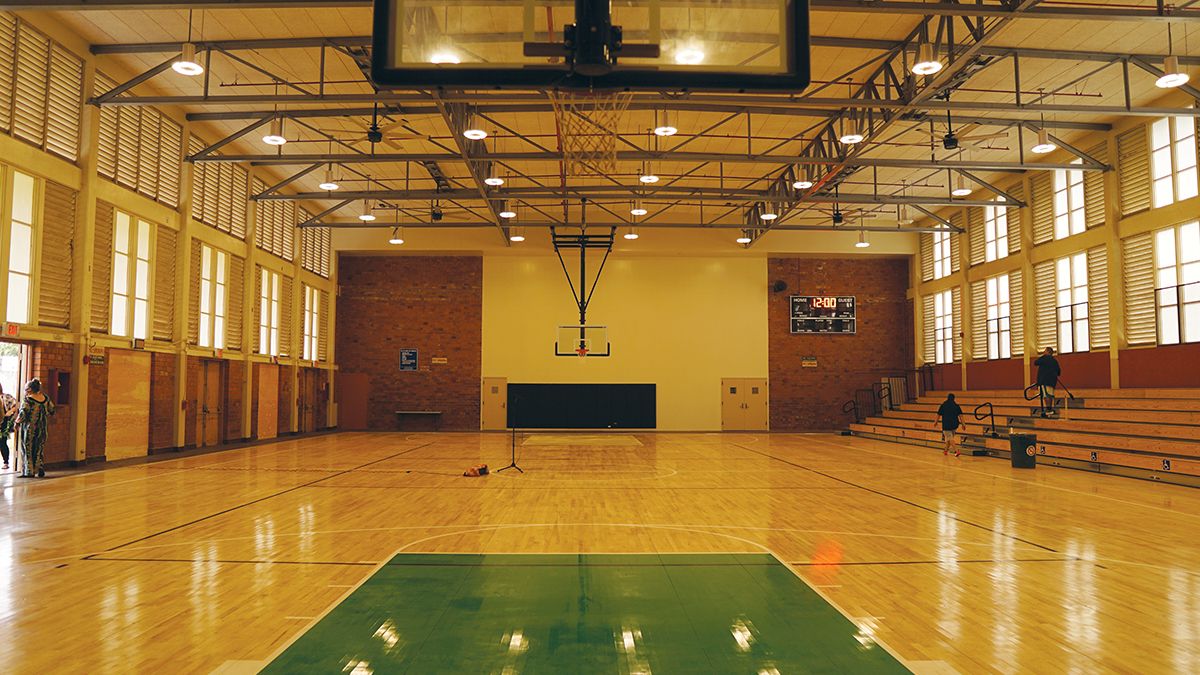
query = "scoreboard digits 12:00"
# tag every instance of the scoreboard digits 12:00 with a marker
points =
(823, 314)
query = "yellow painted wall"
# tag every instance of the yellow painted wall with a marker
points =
(680, 323)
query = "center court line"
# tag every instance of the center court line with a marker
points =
(261, 499)
(899, 499)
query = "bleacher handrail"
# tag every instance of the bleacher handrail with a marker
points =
(991, 413)
(852, 405)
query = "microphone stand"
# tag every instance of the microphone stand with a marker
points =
(513, 464)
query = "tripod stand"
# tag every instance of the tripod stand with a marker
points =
(513, 464)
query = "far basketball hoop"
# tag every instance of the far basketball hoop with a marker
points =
(582, 341)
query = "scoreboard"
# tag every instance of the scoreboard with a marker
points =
(823, 314)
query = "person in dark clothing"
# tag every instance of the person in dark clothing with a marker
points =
(1048, 371)
(948, 416)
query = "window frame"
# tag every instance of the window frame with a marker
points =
(1175, 179)
(942, 255)
(999, 317)
(214, 288)
(270, 287)
(1070, 217)
(310, 349)
(995, 231)
(132, 256)
(943, 327)
(36, 208)
(1185, 295)
(1071, 300)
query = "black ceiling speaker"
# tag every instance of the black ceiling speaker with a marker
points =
(779, 286)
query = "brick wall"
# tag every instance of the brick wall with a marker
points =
(235, 377)
(57, 356)
(163, 370)
(432, 304)
(192, 398)
(97, 408)
(809, 399)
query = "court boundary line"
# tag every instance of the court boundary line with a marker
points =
(896, 498)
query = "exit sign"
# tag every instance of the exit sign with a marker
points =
(12, 330)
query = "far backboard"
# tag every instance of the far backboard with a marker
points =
(661, 45)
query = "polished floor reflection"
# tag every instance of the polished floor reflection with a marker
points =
(219, 561)
(590, 613)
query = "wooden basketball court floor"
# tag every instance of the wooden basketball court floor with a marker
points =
(225, 561)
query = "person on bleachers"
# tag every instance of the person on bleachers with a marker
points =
(948, 415)
(1047, 379)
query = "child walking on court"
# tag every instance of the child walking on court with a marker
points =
(948, 415)
(1048, 371)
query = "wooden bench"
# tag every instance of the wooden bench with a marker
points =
(435, 415)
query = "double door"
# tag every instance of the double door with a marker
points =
(744, 404)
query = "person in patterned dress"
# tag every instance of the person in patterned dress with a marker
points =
(34, 418)
(8, 419)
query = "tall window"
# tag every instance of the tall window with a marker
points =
(999, 334)
(943, 327)
(1068, 202)
(20, 247)
(312, 303)
(1177, 283)
(941, 254)
(268, 317)
(131, 277)
(1173, 159)
(995, 232)
(213, 277)
(1071, 277)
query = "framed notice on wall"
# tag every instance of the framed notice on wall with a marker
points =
(833, 314)
(408, 360)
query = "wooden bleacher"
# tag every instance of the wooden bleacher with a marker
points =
(1144, 433)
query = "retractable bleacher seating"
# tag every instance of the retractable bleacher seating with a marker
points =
(1144, 433)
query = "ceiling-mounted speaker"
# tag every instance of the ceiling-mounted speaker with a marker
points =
(779, 286)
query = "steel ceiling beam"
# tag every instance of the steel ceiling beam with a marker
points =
(353, 225)
(657, 156)
(457, 116)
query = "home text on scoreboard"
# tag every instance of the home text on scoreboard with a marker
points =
(833, 314)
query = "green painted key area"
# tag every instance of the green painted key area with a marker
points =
(643, 613)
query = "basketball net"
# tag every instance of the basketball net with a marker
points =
(582, 352)
(587, 125)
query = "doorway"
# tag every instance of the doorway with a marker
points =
(744, 404)
(494, 405)
(212, 402)
(308, 400)
(14, 373)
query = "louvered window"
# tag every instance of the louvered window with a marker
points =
(1097, 263)
(22, 231)
(164, 284)
(1016, 290)
(57, 247)
(220, 193)
(314, 250)
(1093, 189)
(943, 327)
(268, 312)
(1137, 270)
(1173, 159)
(275, 222)
(979, 336)
(1071, 288)
(312, 317)
(941, 255)
(237, 283)
(139, 148)
(41, 89)
(323, 328)
(928, 330)
(995, 232)
(999, 325)
(926, 257)
(1041, 190)
(1133, 167)
(102, 268)
(1069, 216)
(64, 102)
(130, 276)
(1177, 283)
(286, 317)
(8, 53)
(214, 277)
(975, 236)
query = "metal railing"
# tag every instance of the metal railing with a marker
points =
(991, 413)
(852, 405)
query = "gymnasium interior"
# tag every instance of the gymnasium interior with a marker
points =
(577, 336)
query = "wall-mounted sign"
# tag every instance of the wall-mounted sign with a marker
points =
(439, 360)
(12, 330)
(823, 314)
(408, 360)
(808, 362)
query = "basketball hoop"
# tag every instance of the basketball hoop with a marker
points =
(587, 124)
(581, 352)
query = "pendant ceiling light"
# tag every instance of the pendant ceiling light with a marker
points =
(1173, 76)
(862, 240)
(926, 63)
(397, 237)
(187, 64)
(632, 233)
(274, 135)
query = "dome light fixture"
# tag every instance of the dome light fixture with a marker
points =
(187, 64)
(862, 240)
(769, 212)
(744, 238)
(852, 138)
(960, 187)
(1173, 76)
(494, 181)
(329, 184)
(1043, 144)
(474, 134)
(397, 237)
(366, 216)
(802, 184)
(648, 177)
(274, 135)
(690, 54)
(506, 211)
(637, 209)
(664, 127)
(926, 63)
(632, 233)
(516, 234)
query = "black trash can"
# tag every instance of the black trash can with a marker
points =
(1023, 448)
